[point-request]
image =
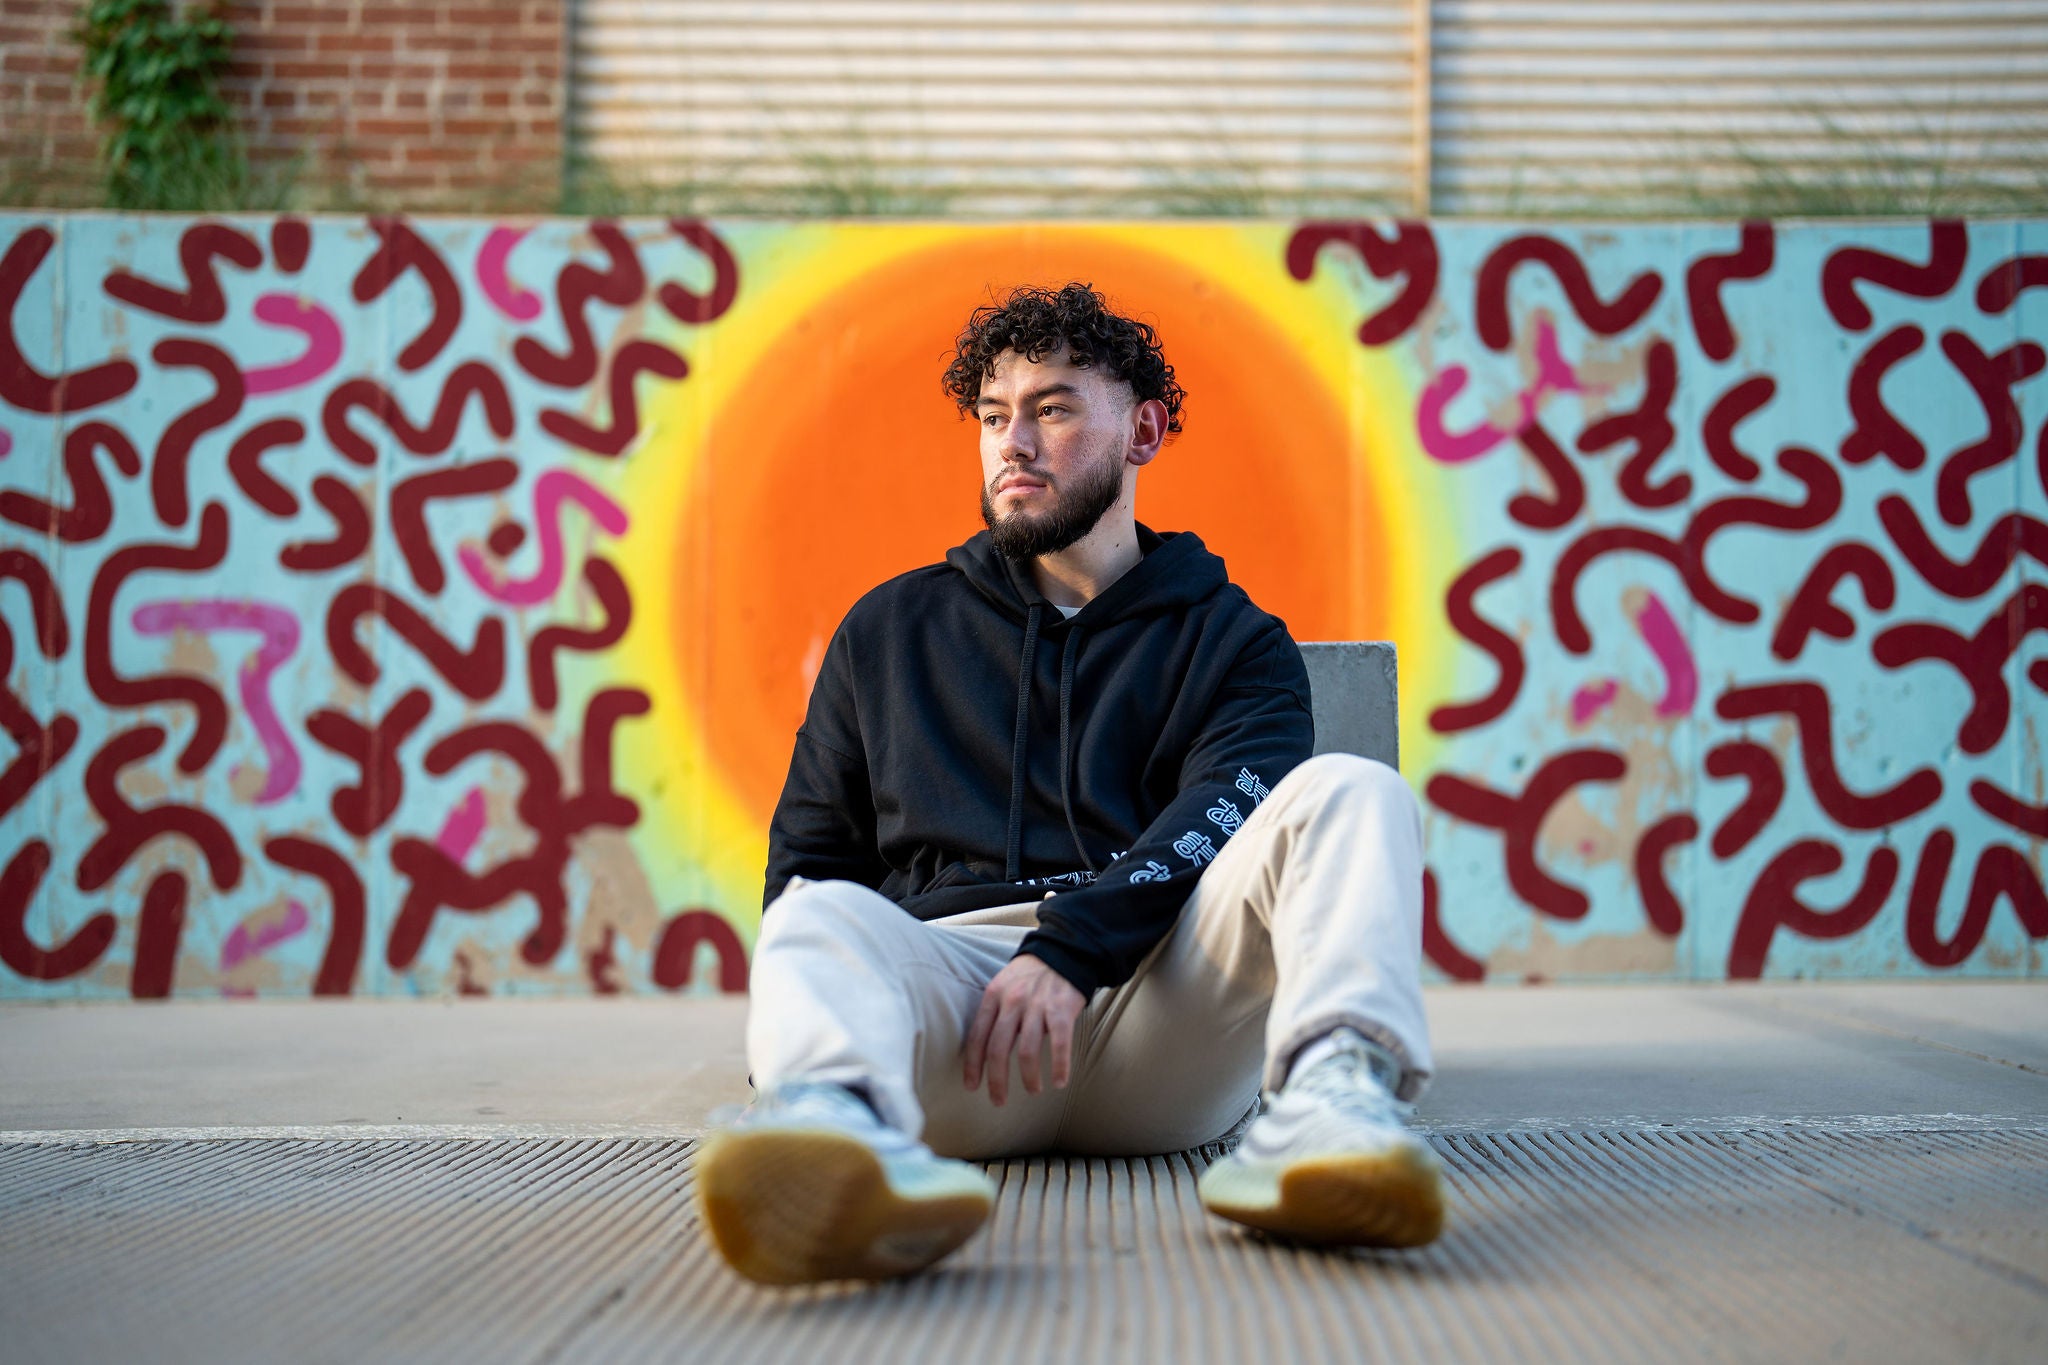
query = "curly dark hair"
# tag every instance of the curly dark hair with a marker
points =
(1037, 322)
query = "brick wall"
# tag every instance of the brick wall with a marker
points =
(46, 142)
(430, 104)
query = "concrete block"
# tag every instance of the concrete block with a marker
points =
(1354, 692)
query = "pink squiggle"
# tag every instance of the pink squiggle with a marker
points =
(1590, 699)
(241, 945)
(280, 631)
(6, 444)
(514, 301)
(1667, 642)
(1554, 374)
(323, 344)
(550, 490)
(463, 827)
(1439, 442)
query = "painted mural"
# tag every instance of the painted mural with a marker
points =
(428, 606)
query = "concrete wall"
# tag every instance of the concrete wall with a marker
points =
(428, 607)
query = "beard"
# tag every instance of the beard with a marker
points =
(1025, 535)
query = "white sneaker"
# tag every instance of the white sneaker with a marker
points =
(1330, 1161)
(807, 1184)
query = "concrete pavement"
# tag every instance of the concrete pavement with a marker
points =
(1753, 1173)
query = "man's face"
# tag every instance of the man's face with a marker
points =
(1054, 436)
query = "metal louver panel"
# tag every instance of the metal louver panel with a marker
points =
(1702, 106)
(1004, 106)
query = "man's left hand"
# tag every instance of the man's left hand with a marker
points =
(1027, 1004)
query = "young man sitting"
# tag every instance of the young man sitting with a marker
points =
(1052, 809)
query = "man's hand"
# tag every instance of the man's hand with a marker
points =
(1027, 1003)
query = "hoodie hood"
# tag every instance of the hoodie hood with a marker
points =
(1177, 570)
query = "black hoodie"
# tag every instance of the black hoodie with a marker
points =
(967, 746)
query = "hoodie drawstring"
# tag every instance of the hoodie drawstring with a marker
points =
(1066, 698)
(1012, 859)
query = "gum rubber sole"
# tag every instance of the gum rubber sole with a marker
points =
(1394, 1199)
(792, 1207)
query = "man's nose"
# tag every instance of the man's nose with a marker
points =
(1017, 443)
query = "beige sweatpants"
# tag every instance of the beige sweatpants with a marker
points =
(1309, 917)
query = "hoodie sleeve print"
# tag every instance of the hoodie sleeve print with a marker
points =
(824, 823)
(1259, 729)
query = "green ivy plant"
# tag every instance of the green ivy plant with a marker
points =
(169, 142)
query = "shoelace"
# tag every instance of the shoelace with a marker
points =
(1344, 1080)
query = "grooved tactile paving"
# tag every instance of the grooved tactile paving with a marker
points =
(1617, 1244)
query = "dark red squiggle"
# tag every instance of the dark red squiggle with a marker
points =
(1948, 245)
(1878, 431)
(129, 828)
(1774, 903)
(1751, 260)
(1503, 647)
(210, 712)
(1569, 490)
(613, 598)
(337, 975)
(620, 284)
(439, 882)
(1437, 946)
(1411, 254)
(1808, 704)
(471, 378)
(2002, 805)
(1660, 905)
(351, 530)
(201, 300)
(245, 463)
(675, 952)
(1823, 500)
(634, 359)
(1606, 540)
(597, 802)
(38, 745)
(19, 881)
(1812, 607)
(2009, 537)
(159, 929)
(53, 632)
(2001, 871)
(400, 249)
(409, 499)
(290, 240)
(363, 806)
(1490, 300)
(687, 305)
(92, 509)
(167, 469)
(1980, 659)
(1757, 766)
(22, 385)
(476, 672)
(1649, 426)
(1991, 378)
(1717, 431)
(2003, 282)
(1518, 818)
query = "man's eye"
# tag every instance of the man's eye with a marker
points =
(991, 419)
(1049, 409)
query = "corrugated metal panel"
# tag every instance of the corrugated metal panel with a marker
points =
(1688, 106)
(1003, 106)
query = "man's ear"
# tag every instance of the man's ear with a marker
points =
(1148, 431)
